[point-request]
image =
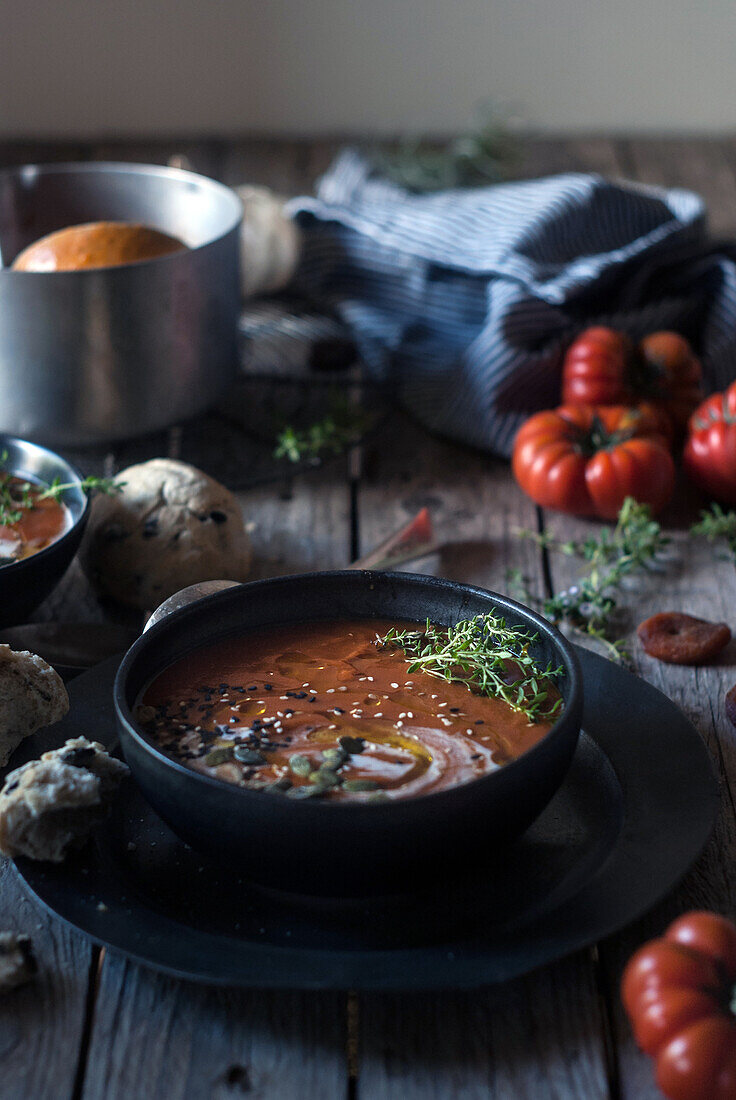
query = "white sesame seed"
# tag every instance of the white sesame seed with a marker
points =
(409, 714)
(394, 685)
(369, 678)
(305, 685)
(446, 721)
(361, 678)
(378, 714)
(283, 696)
(330, 691)
(439, 704)
(342, 687)
(399, 723)
(333, 727)
(469, 731)
(403, 714)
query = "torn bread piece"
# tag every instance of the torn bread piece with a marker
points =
(51, 804)
(32, 695)
(17, 962)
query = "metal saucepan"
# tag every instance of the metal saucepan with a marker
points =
(97, 355)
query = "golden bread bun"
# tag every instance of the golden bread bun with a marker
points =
(96, 244)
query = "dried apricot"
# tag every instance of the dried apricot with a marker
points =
(681, 639)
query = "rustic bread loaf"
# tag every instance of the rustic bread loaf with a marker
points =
(169, 527)
(50, 805)
(32, 695)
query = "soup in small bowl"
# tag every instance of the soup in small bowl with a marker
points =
(40, 531)
(349, 732)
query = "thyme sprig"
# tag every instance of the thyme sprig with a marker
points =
(488, 655)
(17, 497)
(589, 606)
(340, 429)
(715, 525)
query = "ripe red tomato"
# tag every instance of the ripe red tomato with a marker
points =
(586, 460)
(709, 457)
(678, 992)
(604, 367)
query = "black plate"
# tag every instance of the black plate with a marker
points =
(634, 812)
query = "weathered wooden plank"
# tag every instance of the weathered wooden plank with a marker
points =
(541, 1036)
(275, 164)
(153, 1037)
(194, 154)
(42, 1023)
(532, 1038)
(700, 164)
(159, 1038)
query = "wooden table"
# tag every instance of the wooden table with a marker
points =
(94, 1025)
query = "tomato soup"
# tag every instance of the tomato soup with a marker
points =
(37, 522)
(322, 710)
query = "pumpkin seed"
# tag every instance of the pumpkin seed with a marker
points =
(334, 758)
(352, 745)
(218, 756)
(246, 755)
(305, 792)
(300, 765)
(360, 785)
(325, 777)
(281, 784)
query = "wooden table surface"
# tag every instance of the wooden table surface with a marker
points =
(93, 1025)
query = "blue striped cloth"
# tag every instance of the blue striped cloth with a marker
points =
(463, 301)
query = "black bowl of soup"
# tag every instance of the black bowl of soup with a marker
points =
(39, 535)
(294, 728)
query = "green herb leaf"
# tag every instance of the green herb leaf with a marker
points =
(633, 546)
(486, 654)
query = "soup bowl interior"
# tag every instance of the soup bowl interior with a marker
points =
(343, 847)
(26, 583)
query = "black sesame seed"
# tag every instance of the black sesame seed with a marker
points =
(454, 710)
(479, 722)
(475, 756)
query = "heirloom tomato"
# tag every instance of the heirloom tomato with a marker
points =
(604, 367)
(586, 460)
(709, 457)
(679, 994)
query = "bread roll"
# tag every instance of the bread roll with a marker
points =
(96, 244)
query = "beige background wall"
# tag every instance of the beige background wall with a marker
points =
(92, 67)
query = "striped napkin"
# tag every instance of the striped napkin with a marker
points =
(463, 301)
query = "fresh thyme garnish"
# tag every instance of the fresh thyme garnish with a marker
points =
(632, 546)
(487, 655)
(341, 429)
(716, 525)
(17, 497)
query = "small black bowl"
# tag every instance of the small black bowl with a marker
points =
(25, 584)
(343, 848)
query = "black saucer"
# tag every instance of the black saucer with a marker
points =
(634, 812)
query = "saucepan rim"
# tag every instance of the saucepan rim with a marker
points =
(225, 193)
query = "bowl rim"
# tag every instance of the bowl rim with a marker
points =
(53, 547)
(149, 638)
(100, 167)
